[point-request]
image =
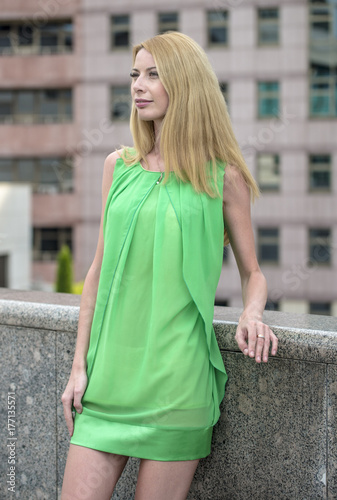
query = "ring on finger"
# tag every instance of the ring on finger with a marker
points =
(260, 336)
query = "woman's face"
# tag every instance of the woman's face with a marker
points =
(148, 93)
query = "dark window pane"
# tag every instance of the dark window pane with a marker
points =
(272, 305)
(320, 251)
(121, 39)
(168, 17)
(25, 33)
(67, 102)
(218, 35)
(269, 253)
(320, 308)
(6, 170)
(6, 103)
(25, 102)
(217, 16)
(268, 13)
(268, 34)
(320, 180)
(49, 35)
(49, 102)
(268, 245)
(26, 170)
(121, 103)
(5, 41)
(120, 19)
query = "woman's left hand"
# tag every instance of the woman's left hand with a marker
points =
(254, 339)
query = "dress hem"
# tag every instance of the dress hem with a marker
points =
(141, 442)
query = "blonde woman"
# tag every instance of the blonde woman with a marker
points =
(147, 377)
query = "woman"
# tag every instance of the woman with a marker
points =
(147, 377)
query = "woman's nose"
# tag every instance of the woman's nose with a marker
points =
(138, 85)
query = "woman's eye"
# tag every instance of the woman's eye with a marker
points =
(133, 75)
(153, 74)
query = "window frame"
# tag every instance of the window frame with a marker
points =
(126, 100)
(268, 188)
(170, 26)
(221, 23)
(64, 237)
(275, 241)
(116, 28)
(319, 167)
(311, 243)
(274, 94)
(314, 304)
(65, 184)
(37, 117)
(261, 23)
(36, 49)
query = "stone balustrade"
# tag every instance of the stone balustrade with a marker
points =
(276, 437)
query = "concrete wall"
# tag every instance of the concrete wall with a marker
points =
(15, 233)
(276, 437)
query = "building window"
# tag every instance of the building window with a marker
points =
(320, 308)
(322, 21)
(320, 246)
(271, 305)
(323, 91)
(47, 242)
(29, 38)
(268, 172)
(221, 302)
(268, 26)
(46, 175)
(224, 87)
(268, 99)
(322, 56)
(167, 21)
(3, 271)
(120, 103)
(120, 32)
(35, 106)
(217, 27)
(268, 245)
(225, 254)
(320, 172)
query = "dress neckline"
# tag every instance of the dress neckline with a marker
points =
(151, 171)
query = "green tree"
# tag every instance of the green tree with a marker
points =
(64, 270)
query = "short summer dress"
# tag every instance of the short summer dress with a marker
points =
(155, 373)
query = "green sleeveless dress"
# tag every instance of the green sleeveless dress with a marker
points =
(155, 373)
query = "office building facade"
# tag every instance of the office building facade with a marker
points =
(64, 106)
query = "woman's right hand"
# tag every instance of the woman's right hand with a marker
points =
(72, 396)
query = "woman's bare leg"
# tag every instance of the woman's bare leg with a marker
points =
(91, 474)
(164, 480)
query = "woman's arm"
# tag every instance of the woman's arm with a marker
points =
(236, 210)
(78, 379)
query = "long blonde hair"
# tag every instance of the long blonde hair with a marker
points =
(196, 130)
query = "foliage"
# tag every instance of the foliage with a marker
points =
(64, 271)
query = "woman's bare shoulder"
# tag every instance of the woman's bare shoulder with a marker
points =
(111, 159)
(109, 167)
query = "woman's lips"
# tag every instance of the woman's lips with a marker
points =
(142, 103)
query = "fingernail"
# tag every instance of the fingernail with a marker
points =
(252, 353)
(258, 359)
(245, 351)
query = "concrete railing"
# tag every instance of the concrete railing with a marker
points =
(276, 438)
